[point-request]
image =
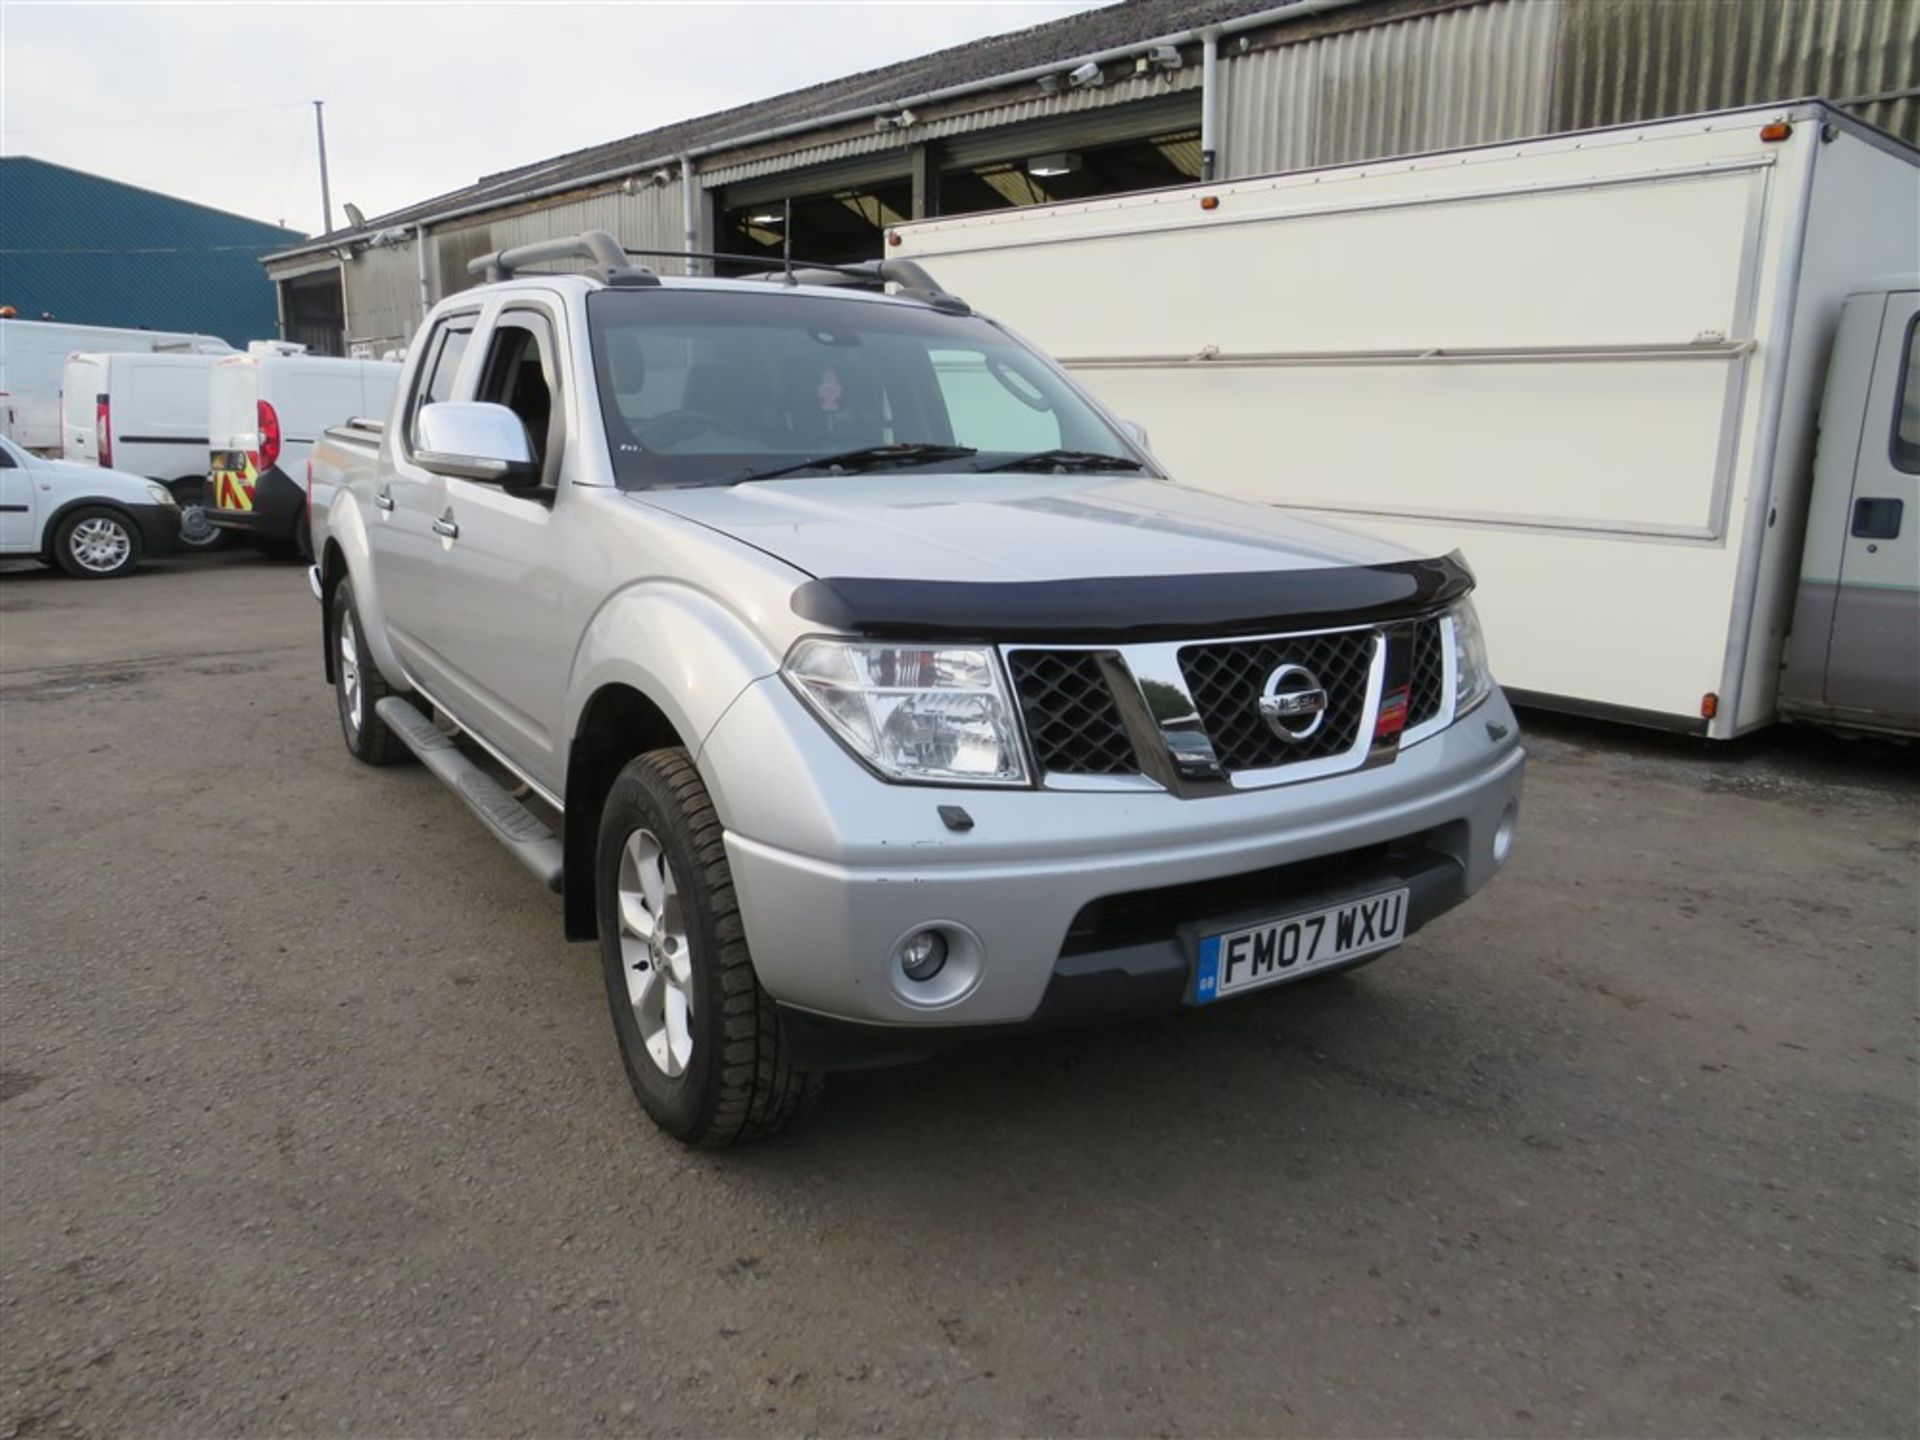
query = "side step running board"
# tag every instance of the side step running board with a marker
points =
(512, 824)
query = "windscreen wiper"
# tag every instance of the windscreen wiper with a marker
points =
(1065, 460)
(868, 457)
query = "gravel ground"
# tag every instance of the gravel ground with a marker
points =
(310, 1121)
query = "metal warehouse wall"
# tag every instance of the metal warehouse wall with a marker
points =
(1460, 77)
(1515, 68)
(383, 296)
(966, 116)
(1454, 74)
(1621, 60)
(650, 220)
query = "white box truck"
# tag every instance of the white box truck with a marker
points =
(34, 352)
(1592, 362)
(145, 414)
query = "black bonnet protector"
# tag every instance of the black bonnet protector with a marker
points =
(1135, 608)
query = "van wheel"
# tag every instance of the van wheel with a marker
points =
(198, 534)
(96, 543)
(358, 687)
(698, 1036)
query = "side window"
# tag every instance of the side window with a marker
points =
(6, 458)
(1906, 420)
(991, 406)
(520, 375)
(437, 375)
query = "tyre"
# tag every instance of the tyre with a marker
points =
(698, 1036)
(96, 543)
(198, 534)
(358, 687)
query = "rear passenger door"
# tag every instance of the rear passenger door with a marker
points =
(1873, 662)
(405, 501)
(492, 616)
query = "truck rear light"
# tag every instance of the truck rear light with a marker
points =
(102, 433)
(269, 435)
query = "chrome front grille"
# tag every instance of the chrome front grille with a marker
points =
(1427, 679)
(1073, 721)
(1086, 708)
(1226, 681)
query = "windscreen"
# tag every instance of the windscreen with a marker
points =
(711, 387)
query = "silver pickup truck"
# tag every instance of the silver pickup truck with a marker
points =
(863, 686)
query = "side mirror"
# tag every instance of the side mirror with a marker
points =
(470, 440)
(1137, 433)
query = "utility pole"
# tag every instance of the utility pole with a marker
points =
(326, 195)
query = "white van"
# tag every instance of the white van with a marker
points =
(147, 415)
(34, 352)
(266, 410)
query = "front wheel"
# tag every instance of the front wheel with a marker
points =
(96, 543)
(698, 1036)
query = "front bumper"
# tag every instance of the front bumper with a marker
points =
(159, 527)
(864, 863)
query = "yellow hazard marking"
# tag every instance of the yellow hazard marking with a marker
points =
(233, 489)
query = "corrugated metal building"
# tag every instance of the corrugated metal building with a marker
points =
(1141, 94)
(92, 251)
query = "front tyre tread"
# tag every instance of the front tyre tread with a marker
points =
(740, 1085)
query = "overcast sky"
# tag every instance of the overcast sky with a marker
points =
(210, 101)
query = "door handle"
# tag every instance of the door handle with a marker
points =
(445, 526)
(1877, 518)
(384, 498)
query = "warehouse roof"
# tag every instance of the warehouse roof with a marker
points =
(92, 251)
(1056, 42)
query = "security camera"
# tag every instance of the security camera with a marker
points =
(1167, 57)
(1087, 74)
(662, 176)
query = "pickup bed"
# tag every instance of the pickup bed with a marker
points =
(863, 686)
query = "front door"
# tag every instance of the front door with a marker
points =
(17, 501)
(494, 620)
(402, 509)
(1873, 662)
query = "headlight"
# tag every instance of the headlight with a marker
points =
(161, 494)
(914, 712)
(1473, 680)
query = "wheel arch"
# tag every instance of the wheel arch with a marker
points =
(333, 569)
(617, 723)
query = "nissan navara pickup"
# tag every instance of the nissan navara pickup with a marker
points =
(863, 686)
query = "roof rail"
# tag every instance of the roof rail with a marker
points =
(609, 260)
(910, 276)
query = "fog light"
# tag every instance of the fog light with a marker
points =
(923, 954)
(1503, 833)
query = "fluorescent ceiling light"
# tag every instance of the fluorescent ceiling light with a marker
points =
(1063, 163)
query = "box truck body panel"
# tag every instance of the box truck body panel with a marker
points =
(1568, 357)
